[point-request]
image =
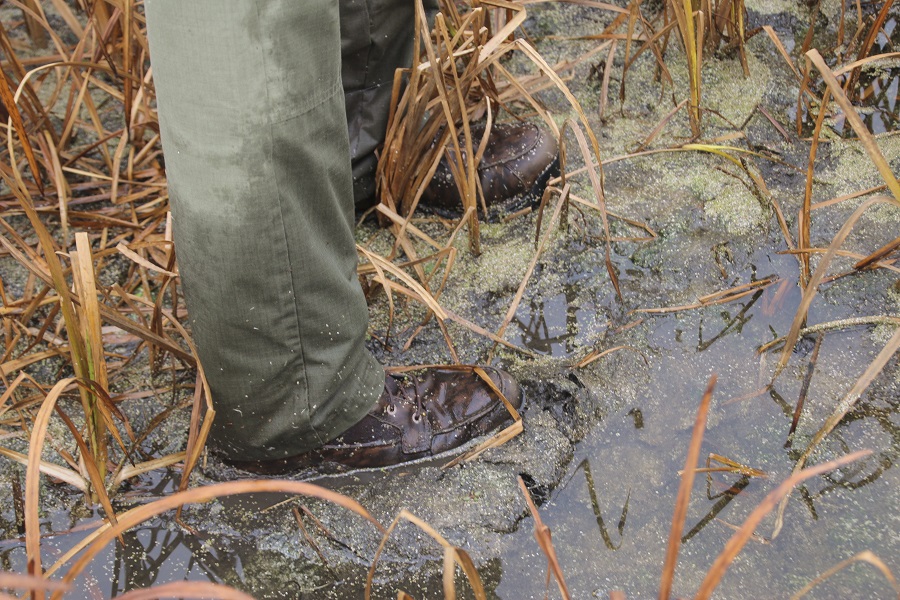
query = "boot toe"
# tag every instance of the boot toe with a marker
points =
(507, 385)
(518, 160)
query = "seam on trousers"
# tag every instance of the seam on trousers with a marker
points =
(287, 247)
(356, 125)
(314, 104)
(371, 32)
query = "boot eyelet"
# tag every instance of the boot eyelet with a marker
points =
(391, 409)
(416, 417)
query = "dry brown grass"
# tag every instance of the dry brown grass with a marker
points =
(97, 92)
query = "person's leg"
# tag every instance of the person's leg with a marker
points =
(254, 133)
(255, 136)
(376, 39)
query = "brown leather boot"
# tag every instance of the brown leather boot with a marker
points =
(517, 162)
(420, 415)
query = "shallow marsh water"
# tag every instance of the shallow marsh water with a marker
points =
(603, 444)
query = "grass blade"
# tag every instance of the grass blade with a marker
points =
(32, 481)
(740, 537)
(684, 492)
(15, 580)
(542, 535)
(844, 406)
(62, 473)
(865, 137)
(187, 589)
(88, 314)
(864, 556)
(878, 254)
(94, 473)
(813, 285)
(458, 555)
(6, 96)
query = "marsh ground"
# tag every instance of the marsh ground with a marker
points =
(603, 444)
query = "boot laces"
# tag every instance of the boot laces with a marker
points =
(404, 385)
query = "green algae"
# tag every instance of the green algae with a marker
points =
(850, 169)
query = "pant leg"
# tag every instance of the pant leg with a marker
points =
(377, 38)
(254, 134)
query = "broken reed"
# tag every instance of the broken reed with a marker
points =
(691, 28)
(704, 27)
(82, 322)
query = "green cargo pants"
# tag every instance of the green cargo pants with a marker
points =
(258, 159)
(376, 40)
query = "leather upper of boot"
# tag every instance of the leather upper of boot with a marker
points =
(420, 415)
(518, 161)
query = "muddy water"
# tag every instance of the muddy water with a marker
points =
(611, 515)
(611, 505)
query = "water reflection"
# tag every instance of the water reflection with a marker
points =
(585, 466)
(550, 326)
(723, 499)
(864, 472)
(783, 404)
(154, 555)
(733, 324)
(161, 553)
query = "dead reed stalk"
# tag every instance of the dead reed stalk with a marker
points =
(456, 79)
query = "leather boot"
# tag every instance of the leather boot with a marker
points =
(421, 415)
(517, 162)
